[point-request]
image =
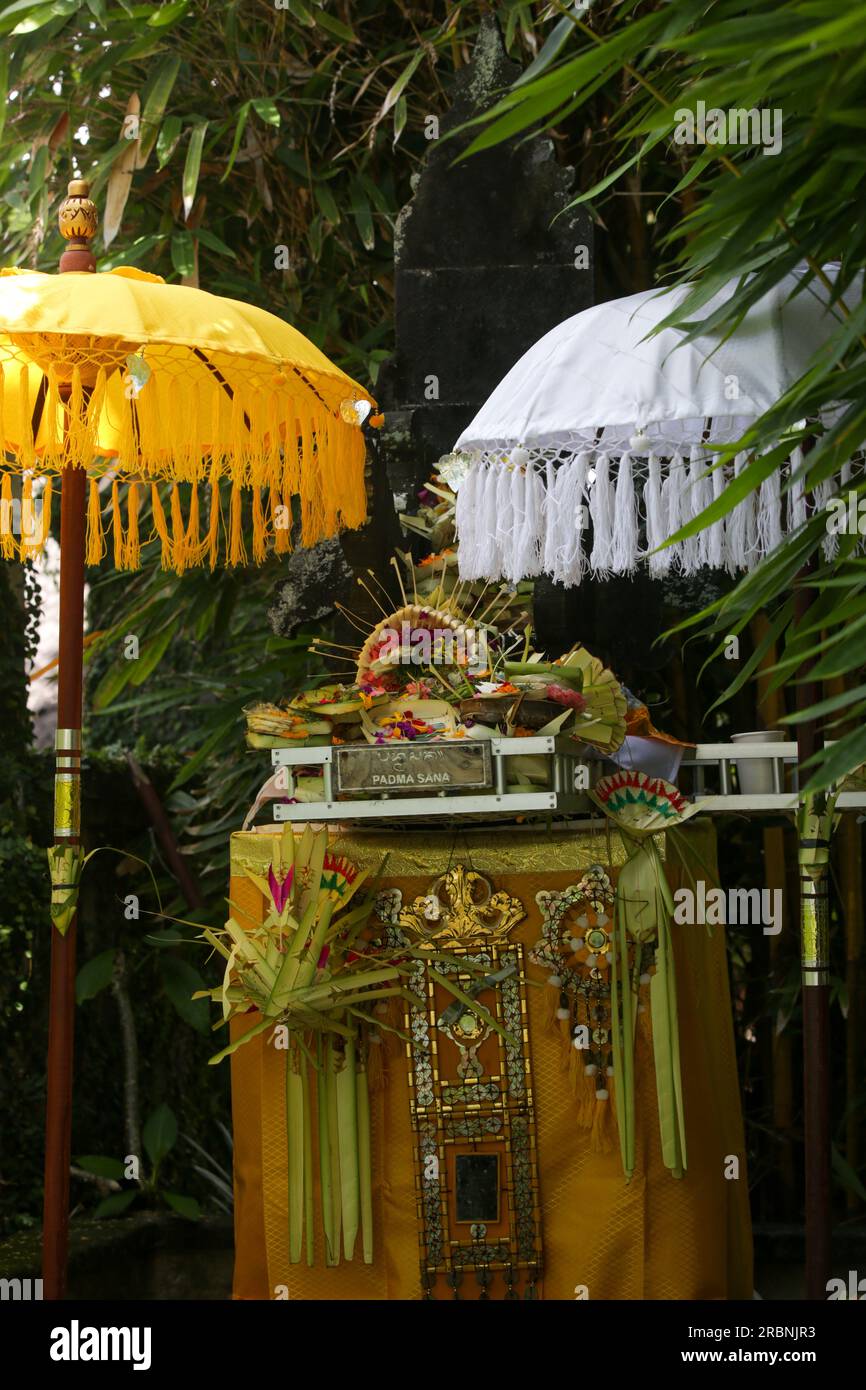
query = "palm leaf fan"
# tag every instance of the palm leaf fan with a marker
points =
(641, 807)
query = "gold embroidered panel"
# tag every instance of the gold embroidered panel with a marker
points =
(476, 1170)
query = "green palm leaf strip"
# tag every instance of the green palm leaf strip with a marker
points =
(334, 1147)
(308, 1165)
(347, 1143)
(295, 1147)
(324, 1082)
(365, 1164)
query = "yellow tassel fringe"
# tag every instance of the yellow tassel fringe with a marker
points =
(248, 425)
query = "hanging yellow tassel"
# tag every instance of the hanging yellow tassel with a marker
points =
(331, 484)
(260, 536)
(116, 527)
(213, 531)
(31, 541)
(193, 542)
(280, 517)
(127, 447)
(160, 526)
(95, 538)
(238, 450)
(178, 533)
(8, 546)
(46, 499)
(93, 415)
(76, 437)
(274, 461)
(255, 438)
(308, 487)
(132, 555)
(237, 549)
(51, 431)
(349, 459)
(291, 482)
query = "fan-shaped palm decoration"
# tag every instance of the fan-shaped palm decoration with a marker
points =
(640, 807)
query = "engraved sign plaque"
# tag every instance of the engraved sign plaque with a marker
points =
(418, 768)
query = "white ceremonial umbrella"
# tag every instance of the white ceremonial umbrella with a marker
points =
(600, 427)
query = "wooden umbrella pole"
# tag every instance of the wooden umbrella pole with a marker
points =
(78, 225)
(61, 1024)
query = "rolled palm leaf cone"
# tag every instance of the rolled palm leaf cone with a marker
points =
(663, 1024)
(323, 1075)
(309, 1227)
(334, 1151)
(624, 1064)
(365, 1166)
(666, 1045)
(347, 1138)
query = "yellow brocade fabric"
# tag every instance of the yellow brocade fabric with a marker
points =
(654, 1238)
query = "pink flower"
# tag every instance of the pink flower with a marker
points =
(280, 892)
(570, 698)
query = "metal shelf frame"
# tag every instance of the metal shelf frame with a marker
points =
(568, 765)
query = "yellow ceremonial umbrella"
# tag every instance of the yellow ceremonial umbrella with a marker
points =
(120, 375)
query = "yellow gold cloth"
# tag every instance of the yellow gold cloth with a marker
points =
(654, 1238)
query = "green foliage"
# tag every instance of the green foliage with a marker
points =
(159, 1136)
(260, 127)
(95, 976)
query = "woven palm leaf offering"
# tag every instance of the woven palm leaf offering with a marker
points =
(640, 952)
(446, 645)
(312, 970)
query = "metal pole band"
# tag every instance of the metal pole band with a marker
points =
(67, 805)
(815, 937)
(68, 740)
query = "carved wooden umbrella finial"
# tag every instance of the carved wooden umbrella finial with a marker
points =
(78, 220)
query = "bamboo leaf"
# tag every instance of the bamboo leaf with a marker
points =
(267, 109)
(240, 126)
(154, 107)
(192, 165)
(120, 181)
(169, 14)
(166, 141)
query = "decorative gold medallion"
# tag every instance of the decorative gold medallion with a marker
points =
(461, 909)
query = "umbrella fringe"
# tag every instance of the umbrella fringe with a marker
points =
(203, 430)
(521, 512)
